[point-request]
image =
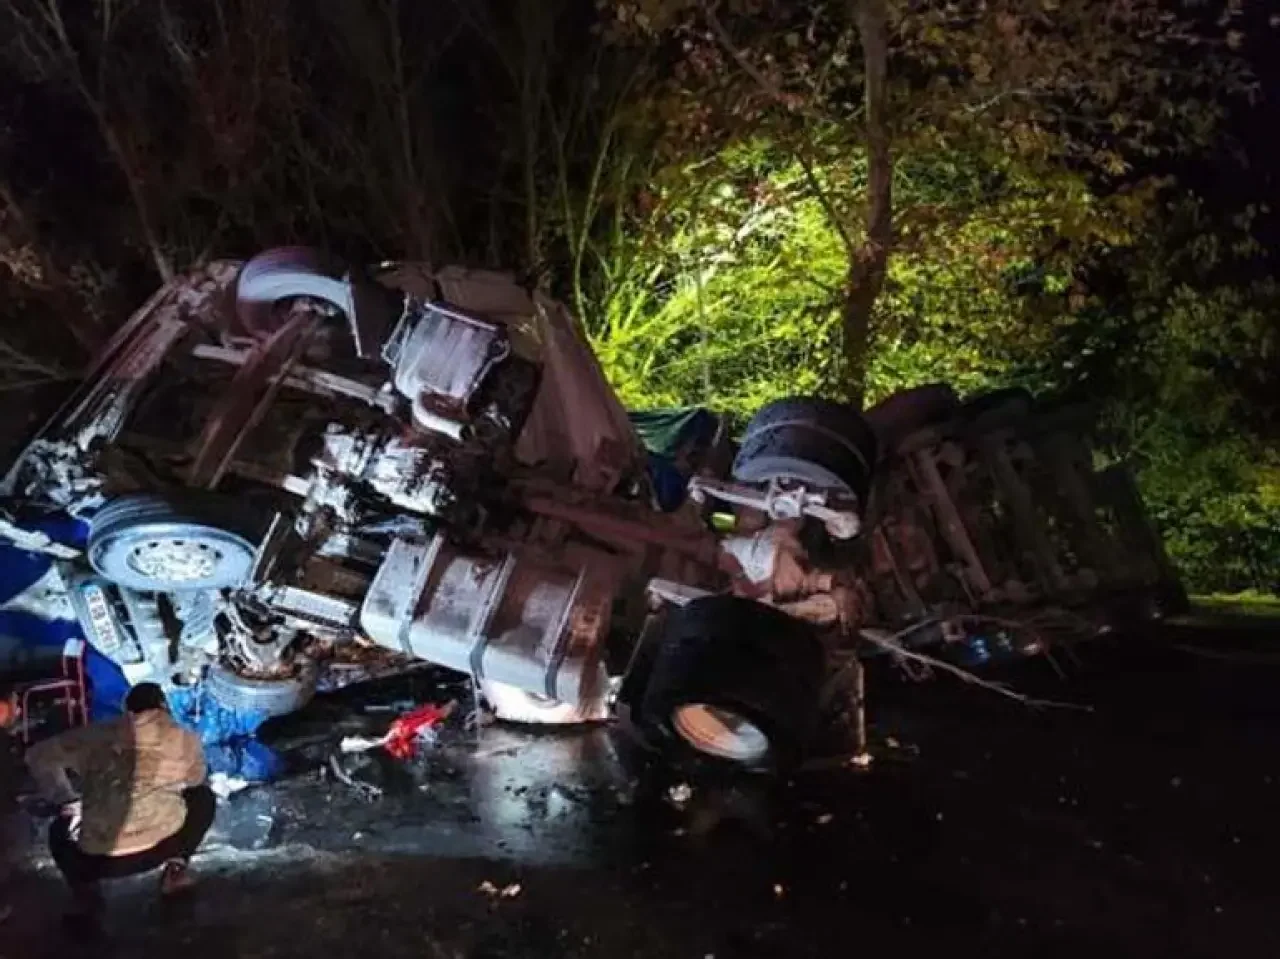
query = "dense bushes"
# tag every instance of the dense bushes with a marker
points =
(698, 188)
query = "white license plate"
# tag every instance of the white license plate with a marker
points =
(105, 635)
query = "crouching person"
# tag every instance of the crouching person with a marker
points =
(142, 804)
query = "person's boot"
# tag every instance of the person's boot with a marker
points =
(176, 878)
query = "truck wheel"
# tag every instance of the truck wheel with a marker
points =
(897, 416)
(1011, 401)
(283, 273)
(734, 681)
(265, 697)
(816, 442)
(167, 544)
(275, 276)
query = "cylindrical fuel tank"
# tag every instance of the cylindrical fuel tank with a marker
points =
(515, 616)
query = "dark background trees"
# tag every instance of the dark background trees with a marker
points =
(740, 198)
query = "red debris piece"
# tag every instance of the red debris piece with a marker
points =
(402, 738)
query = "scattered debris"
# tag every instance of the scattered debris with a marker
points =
(491, 753)
(893, 645)
(402, 739)
(360, 744)
(825, 818)
(572, 795)
(680, 794)
(225, 786)
(860, 760)
(506, 892)
(366, 791)
(399, 706)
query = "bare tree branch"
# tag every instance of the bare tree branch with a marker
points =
(893, 644)
(791, 103)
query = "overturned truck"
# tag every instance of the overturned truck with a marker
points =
(280, 458)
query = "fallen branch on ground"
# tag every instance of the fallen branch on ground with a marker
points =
(893, 645)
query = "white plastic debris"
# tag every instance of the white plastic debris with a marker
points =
(360, 744)
(680, 793)
(225, 786)
(509, 891)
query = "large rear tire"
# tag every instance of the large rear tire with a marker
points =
(734, 682)
(819, 443)
(1009, 403)
(898, 416)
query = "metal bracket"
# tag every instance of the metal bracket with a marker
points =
(484, 616)
(779, 503)
(427, 561)
(678, 594)
(561, 647)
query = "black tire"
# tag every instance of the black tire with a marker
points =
(733, 656)
(222, 533)
(841, 418)
(906, 411)
(816, 442)
(265, 697)
(1011, 401)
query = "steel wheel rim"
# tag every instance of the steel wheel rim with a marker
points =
(175, 559)
(720, 732)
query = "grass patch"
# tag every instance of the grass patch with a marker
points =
(1249, 603)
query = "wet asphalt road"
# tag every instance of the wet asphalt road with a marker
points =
(1146, 827)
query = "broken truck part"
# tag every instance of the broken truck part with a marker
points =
(284, 456)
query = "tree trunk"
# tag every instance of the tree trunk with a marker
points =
(410, 178)
(868, 263)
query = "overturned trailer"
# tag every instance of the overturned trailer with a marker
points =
(283, 457)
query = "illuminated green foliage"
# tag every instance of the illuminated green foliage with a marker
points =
(731, 195)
